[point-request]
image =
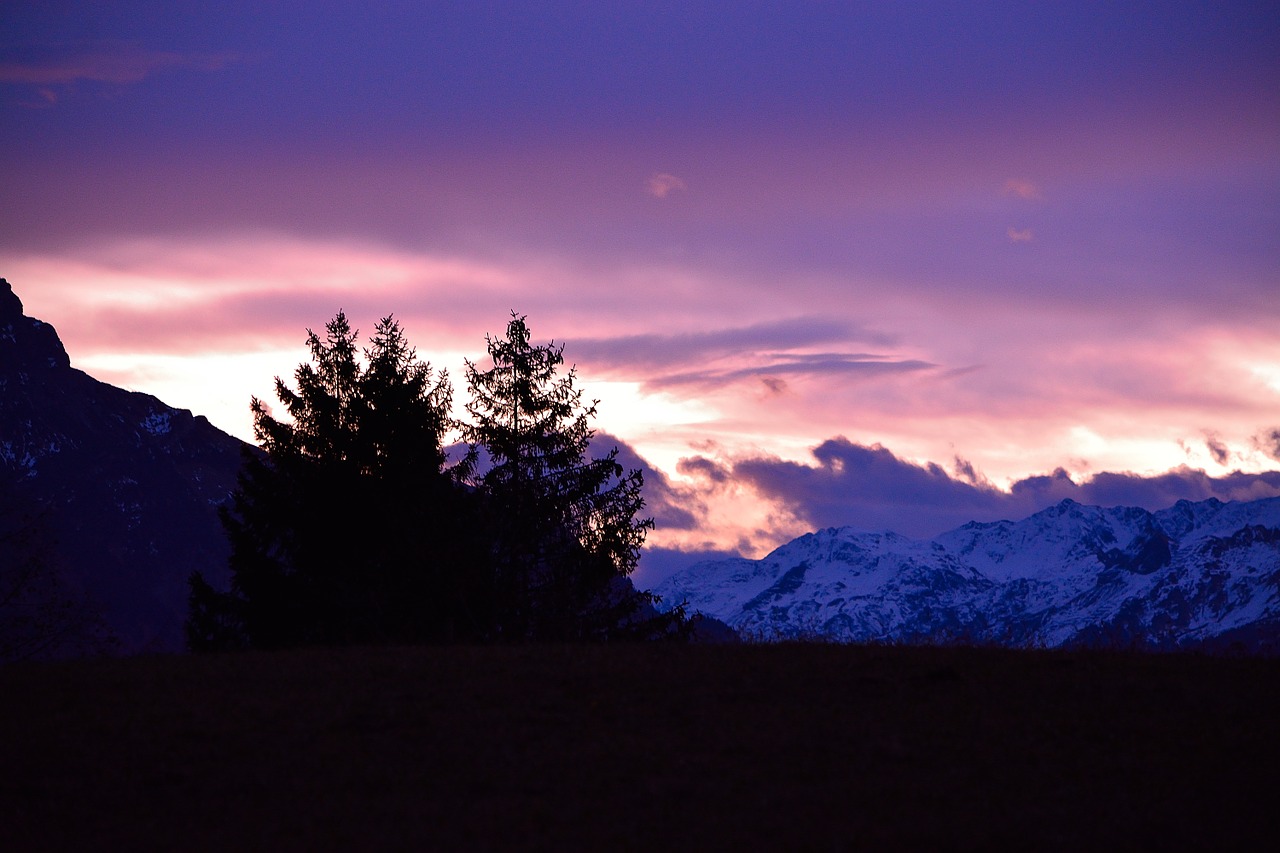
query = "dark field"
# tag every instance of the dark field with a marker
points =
(700, 748)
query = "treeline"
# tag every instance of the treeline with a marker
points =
(353, 526)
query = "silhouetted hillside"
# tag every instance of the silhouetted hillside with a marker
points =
(108, 501)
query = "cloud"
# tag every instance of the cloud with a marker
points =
(1217, 449)
(671, 507)
(870, 487)
(236, 293)
(1023, 235)
(116, 64)
(656, 351)
(1149, 492)
(1268, 441)
(833, 364)
(760, 352)
(1021, 188)
(773, 385)
(662, 184)
(703, 468)
(964, 470)
(680, 508)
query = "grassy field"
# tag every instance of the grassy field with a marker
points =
(632, 747)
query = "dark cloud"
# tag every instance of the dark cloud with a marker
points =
(1217, 449)
(854, 364)
(761, 352)
(671, 507)
(871, 488)
(774, 385)
(1153, 492)
(700, 466)
(965, 471)
(868, 487)
(1268, 441)
(650, 352)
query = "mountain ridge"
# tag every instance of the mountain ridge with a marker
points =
(1195, 574)
(108, 501)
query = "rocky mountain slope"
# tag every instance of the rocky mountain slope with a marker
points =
(1194, 575)
(108, 501)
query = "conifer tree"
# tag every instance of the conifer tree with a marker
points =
(564, 531)
(348, 527)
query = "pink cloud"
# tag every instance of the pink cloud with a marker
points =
(662, 184)
(113, 63)
(836, 273)
(1022, 188)
(1135, 385)
(1107, 394)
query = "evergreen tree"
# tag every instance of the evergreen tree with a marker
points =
(348, 527)
(564, 531)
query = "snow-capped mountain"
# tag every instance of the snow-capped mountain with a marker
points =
(1195, 574)
(108, 501)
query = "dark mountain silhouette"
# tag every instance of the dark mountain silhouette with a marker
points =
(108, 501)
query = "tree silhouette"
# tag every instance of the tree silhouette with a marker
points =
(348, 526)
(563, 527)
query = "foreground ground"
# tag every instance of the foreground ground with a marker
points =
(698, 748)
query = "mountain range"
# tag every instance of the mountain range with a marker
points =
(1195, 575)
(108, 501)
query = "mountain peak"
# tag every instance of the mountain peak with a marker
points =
(114, 498)
(1196, 575)
(10, 304)
(25, 342)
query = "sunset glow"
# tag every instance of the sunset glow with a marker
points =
(999, 242)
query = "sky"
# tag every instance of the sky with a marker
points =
(896, 266)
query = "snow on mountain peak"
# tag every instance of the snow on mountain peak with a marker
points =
(1071, 573)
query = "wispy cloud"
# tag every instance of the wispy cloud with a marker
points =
(223, 295)
(1020, 235)
(1268, 441)
(662, 184)
(113, 63)
(657, 351)
(852, 364)
(766, 352)
(1022, 188)
(1217, 448)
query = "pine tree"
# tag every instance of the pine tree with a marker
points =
(563, 527)
(348, 527)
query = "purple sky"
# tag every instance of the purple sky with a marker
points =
(822, 263)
